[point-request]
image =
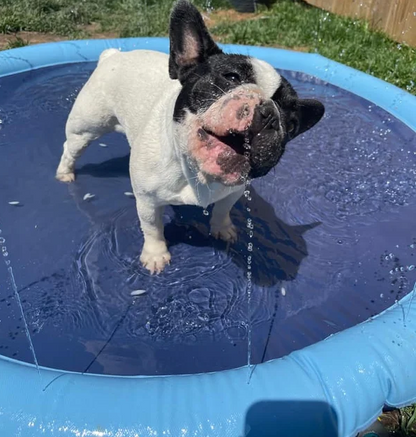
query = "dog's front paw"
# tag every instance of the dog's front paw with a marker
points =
(65, 177)
(226, 233)
(155, 262)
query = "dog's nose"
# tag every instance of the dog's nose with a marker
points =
(265, 116)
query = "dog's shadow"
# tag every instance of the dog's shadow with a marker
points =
(111, 168)
(278, 247)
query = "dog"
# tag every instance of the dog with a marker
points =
(200, 124)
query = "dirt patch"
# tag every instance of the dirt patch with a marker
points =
(29, 38)
(11, 40)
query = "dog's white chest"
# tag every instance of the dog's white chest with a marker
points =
(205, 195)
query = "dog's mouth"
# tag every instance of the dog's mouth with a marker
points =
(239, 142)
(224, 157)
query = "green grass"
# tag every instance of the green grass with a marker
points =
(408, 420)
(67, 17)
(49, 16)
(288, 23)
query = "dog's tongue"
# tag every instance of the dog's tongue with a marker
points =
(220, 160)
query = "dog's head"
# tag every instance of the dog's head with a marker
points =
(235, 113)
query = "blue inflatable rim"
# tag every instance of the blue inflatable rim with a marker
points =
(354, 372)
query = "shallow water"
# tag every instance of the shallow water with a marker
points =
(334, 242)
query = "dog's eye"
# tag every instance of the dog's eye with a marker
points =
(232, 77)
(291, 128)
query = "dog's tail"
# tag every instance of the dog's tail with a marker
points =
(106, 54)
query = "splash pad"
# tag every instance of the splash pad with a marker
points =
(325, 259)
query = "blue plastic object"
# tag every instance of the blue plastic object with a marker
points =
(339, 385)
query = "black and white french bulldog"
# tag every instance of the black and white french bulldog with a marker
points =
(200, 124)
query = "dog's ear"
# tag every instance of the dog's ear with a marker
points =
(310, 112)
(190, 41)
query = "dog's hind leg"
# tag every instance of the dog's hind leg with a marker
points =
(73, 147)
(88, 120)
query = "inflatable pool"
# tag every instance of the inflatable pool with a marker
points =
(332, 315)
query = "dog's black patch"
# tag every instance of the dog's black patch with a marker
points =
(205, 72)
(298, 115)
(207, 82)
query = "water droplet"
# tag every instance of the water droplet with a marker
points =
(138, 292)
(283, 291)
(88, 196)
(205, 212)
(129, 194)
(102, 145)
(14, 202)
